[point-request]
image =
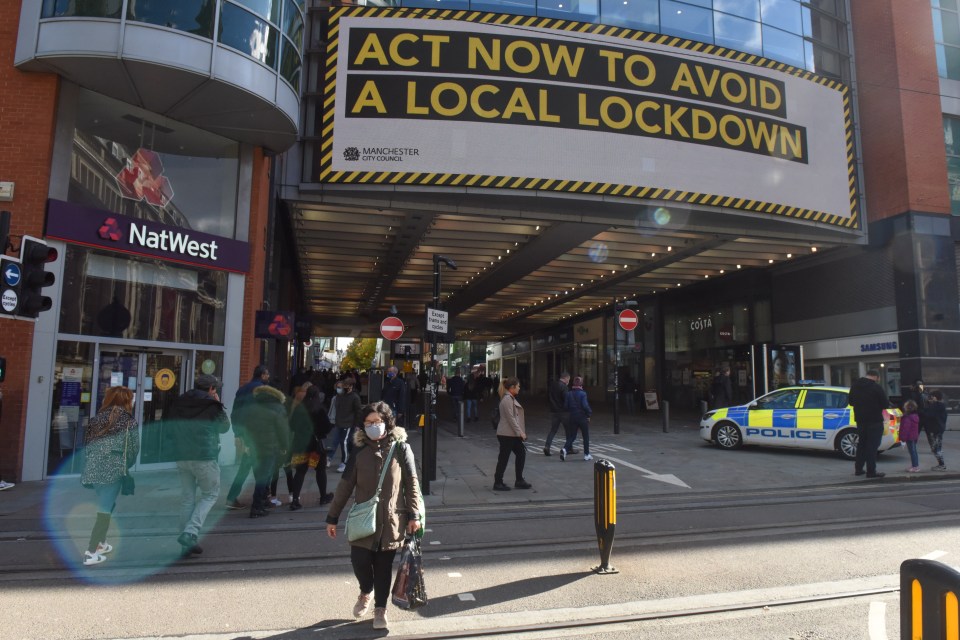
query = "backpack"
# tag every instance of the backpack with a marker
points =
(495, 416)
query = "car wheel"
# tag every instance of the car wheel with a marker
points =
(727, 436)
(847, 444)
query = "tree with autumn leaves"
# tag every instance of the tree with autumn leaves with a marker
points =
(359, 354)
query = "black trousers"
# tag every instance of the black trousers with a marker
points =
(246, 464)
(374, 571)
(508, 445)
(869, 436)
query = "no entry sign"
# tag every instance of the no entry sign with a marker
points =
(391, 328)
(628, 319)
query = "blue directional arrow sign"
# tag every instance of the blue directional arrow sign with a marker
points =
(11, 274)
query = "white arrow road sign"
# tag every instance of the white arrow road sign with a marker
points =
(669, 478)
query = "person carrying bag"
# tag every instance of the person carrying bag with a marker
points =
(381, 471)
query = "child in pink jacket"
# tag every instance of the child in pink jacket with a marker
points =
(910, 433)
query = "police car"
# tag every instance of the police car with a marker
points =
(809, 416)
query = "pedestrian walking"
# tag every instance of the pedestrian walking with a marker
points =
(578, 407)
(471, 395)
(557, 400)
(511, 433)
(268, 430)
(345, 412)
(910, 433)
(455, 387)
(261, 376)
(197, 418)
(722, 389)
(395, 394)
(381, 450)
(112, 444)
(936, 428)
(869, 401)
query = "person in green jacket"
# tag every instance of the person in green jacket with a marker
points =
(268, 432)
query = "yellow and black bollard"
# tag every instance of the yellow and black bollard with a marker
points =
(929, 607)
(605, 511)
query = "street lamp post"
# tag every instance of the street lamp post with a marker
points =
(430, 410)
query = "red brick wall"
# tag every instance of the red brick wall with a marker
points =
(254, 291)
(27, 113)
(900, 116)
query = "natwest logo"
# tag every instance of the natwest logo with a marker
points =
(175, 241)
(110, 230)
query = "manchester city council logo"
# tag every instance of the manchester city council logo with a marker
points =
(351, 154)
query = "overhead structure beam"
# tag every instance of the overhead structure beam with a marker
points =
(555, 241)
(406, 239)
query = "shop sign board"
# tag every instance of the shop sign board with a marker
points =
(93, 227)
(544, 105)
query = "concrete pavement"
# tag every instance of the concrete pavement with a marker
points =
(649, 463)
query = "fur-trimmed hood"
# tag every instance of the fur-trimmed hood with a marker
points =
(399, 434)
(272, 392)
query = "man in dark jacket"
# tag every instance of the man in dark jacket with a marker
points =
(455, 387)
(557, 399)
(268, 432)
(197, 418)
(261, 376)
(395, 394)
(868, 400)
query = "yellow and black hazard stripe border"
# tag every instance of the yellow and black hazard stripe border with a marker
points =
(327, 174)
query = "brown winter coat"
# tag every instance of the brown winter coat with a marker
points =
(400, 497)
(512, 423)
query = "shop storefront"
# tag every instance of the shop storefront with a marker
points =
(840, 361)
(151, 280)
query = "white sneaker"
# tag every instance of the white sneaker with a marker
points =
(341, 468)
(6, 485)
(588, 457)
(290, 500)
(103, 548)
(92, 558)
(275, 502)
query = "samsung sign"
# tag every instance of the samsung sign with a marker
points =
(104, 230)
(872, 347)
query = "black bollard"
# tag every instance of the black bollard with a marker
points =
(605, 511)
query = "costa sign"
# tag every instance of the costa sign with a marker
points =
(77, 224)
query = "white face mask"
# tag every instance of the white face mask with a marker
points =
(375, 431)
(340, 390)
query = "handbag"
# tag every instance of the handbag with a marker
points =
(409, 590)
(127, 484)
(362, 518)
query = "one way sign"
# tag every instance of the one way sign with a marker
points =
(11, 273)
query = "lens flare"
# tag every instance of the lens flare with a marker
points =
(598, 252)
(143, 527)
(661, 216)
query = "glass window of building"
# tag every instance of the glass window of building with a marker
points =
(142, 165)
(269, 9)
(685, 20)
(245, 32)
(783, 46)
(951, 139)
(749, 9)
(63, 8)
(579, 10)
(518, 7)
(643, 15)
(946, 34)
(737, 33)
(71, 396)
(184, 15)
(782, 14)
(141, 299)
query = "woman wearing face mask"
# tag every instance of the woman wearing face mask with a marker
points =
(398, 511)
(346, 415)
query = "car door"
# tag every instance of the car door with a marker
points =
(773, 418)
(821, 413)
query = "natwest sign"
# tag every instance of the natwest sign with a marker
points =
(97, 228)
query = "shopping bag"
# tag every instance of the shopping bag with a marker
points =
(409, 590)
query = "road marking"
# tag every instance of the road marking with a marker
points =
(434, 542)
(933, 555)
(466, 597)
(669, 478)
(877, 621)
(454, 575)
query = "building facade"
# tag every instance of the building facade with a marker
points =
(139, 141)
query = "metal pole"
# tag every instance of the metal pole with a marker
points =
(616, 371)
(666, 416)
(460, 426)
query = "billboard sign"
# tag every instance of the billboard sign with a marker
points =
(532, 103)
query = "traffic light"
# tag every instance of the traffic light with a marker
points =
(34, 256)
